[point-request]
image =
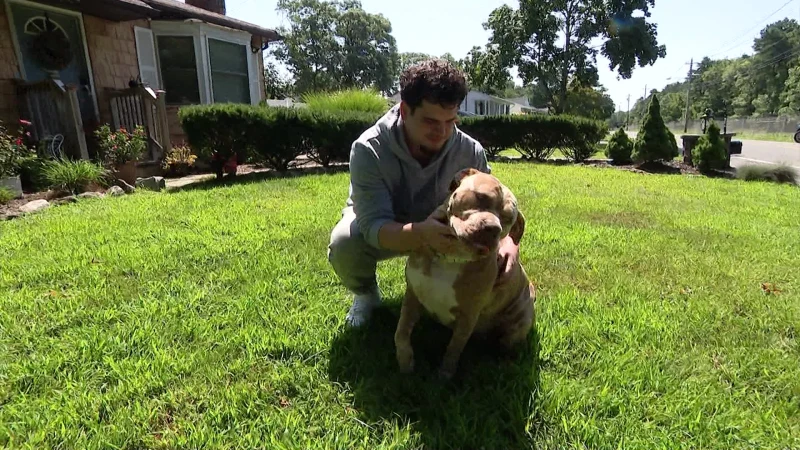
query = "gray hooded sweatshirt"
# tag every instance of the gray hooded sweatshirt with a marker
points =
(387, 184)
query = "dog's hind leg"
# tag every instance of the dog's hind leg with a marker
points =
(409, 315)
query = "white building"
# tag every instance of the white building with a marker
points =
(482, 104)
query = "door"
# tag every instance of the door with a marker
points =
(28, 23)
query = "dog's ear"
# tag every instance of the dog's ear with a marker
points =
(518, 229)
(460, 176)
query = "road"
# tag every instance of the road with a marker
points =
(767, 152)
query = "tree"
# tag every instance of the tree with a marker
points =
(484, 70)
(276, 86)
(588, 102)
(654, 141)
(334, 44)
(551, 41)
(408, 59)
(620, 148)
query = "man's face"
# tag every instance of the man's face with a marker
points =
(430, 126)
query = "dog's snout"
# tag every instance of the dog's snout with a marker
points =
(487, 234)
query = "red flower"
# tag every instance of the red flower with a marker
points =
(19, 141)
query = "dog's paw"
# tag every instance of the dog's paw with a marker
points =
(446, 373)
(405, 360)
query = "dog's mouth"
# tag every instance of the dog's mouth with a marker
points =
(479, 240)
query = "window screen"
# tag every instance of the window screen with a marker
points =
(229, 77)
(179, 69)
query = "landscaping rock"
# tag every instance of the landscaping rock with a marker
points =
(65, 200)
(90, 195)
(151, 183)
(36, 205)
(126, 187)
(115, 191)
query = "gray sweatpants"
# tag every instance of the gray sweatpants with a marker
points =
(353, 259)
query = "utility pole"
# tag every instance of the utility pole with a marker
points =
(645, 92)
(688, 91)
(628, 117)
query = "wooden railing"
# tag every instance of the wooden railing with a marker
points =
(140, 106)
(52, 108)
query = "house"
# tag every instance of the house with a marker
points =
(69, 66)
(522, 106)
(482, 104)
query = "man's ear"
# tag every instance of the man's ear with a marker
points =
(460, 176)
(518, 229)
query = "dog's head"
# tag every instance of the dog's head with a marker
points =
(482, 212)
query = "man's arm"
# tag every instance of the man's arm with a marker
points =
(372, 203)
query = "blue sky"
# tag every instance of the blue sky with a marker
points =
(688, 28)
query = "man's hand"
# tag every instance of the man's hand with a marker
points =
(507, 257)
(437, 235)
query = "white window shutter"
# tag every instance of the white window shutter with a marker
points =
(146, 53)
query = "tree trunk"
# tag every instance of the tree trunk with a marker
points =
(562, 92)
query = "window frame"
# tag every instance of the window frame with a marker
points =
(201, 33)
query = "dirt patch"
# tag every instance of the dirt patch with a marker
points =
(658, 167)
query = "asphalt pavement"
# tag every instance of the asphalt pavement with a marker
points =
(767, 152)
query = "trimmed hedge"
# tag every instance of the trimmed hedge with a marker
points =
(272, 136)
(276, 136)
(536, 136)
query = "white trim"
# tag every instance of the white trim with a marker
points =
(81, 30)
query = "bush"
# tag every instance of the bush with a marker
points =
(179, 161)
(709, 153)
(74, 176)
(620, 148)
(776, 174)
(536, 136)
(120, 147)
(274, 137)
(352, 100)
(13, 151)
(654, 142)
(6, 195)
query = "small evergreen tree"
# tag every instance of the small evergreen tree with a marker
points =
(620, 148)
(709, 153)
(654, 142)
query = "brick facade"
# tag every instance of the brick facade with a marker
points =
(112, 49)
(9, 70)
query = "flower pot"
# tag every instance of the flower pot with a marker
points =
(127, 172)
(14, 184)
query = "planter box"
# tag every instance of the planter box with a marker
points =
(14, 184)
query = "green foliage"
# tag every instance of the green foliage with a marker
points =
(710, 153)
(620, 148)
(179, 161)
(14, 151)
(335, 44)
(276, 85)
(654, 141)
(782, 173)
(358, 100)
(74, 176)
(531, 37)
(586, 101)
(6, 195)
(536, 136)
(274, 137)
(121, 146)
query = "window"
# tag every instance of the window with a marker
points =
(178, 69)
(229, 78)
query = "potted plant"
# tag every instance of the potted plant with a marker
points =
(121, 149)
(179, 161)
(13, 152)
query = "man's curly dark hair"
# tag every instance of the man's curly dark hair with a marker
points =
(434, 80)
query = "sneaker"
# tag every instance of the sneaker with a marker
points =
(363, 305)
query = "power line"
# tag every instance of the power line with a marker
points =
(758, 24)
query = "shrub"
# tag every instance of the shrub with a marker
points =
(120, 147)
(221, 131)
(74, 176)
(777, 174)
(654, 142)
(536, 136)
(6, 195)
(13, 152)
(334, 134)
(620, 148)
(351, 100)
(179, 161)
(709, 153)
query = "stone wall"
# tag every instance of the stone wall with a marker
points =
(112, 49)
(9, 70)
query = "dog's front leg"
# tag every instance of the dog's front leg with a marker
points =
(409, 314)
(462, 330)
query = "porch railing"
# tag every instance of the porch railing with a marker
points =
(53, 109)
(140, 106)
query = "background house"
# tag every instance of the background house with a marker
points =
(482, 104)
(69, 66)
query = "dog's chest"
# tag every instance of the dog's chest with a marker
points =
(435, 289)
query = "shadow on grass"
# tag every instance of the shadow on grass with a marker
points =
(489, 404)
(257, 177)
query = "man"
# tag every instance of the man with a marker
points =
(400, 172)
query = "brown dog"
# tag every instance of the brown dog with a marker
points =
(458, 290)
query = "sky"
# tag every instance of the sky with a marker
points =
(688, 28)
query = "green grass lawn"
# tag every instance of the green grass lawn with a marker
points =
(777, 137)
(513, 153)
(210, 318)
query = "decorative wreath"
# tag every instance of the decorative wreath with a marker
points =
(52, 50)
